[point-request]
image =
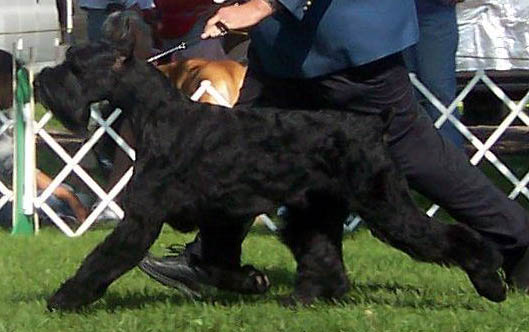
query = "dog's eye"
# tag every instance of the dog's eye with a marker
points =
(72, 67)
(76, 71)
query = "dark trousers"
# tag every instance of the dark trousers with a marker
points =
(433, 166)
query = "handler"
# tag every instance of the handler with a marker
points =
(344, 54)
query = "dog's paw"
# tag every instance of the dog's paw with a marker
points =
(59, 301)
(71, 296)
(63, 301)
(489, 285)
(255, 281)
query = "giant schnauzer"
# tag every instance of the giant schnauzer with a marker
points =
(214, 168)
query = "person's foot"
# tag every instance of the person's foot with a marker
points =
(182, 269)
(174, 271)
(516, 268)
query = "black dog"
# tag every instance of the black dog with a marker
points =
(214, 168)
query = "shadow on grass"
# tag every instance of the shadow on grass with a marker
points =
(136, 300)
(280, 277)
(380, 294)
(112, 300)
(407, 296)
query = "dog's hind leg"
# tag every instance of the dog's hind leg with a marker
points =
(118, 253)
(382, 199)
(220, 261)
(314, 236)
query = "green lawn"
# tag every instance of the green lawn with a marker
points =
(390, 293)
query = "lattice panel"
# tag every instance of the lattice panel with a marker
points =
(483, 150)
(516, 111)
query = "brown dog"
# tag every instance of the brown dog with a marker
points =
(226, 76)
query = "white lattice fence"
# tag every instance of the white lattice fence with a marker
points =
(516, 111)
(483, 150)
(106, 199)
(72, 164)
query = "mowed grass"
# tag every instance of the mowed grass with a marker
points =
(390, 292)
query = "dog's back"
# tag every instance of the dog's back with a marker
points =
(226, 76)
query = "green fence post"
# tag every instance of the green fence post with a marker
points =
(22, 223)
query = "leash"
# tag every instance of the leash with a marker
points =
(186, 44)
(224, 30)
(180, 47)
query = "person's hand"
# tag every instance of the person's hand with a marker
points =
(237, 17)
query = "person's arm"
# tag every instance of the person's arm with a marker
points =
(80, 211)
(252, 12)
(238, 17)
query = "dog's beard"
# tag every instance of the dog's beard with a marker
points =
(59, 91)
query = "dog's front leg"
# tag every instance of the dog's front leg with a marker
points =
(118, 253)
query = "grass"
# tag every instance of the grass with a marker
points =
(390, 292)
(52, 124)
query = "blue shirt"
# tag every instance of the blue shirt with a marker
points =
(102, 4)
(431, 6)
(317, 37)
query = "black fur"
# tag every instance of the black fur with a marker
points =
(214, 168)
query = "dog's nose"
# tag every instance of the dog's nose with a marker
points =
(36, 82)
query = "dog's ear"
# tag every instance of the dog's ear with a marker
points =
(120, 30)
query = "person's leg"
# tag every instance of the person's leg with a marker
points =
(94, 22)
(437, 169)
(62, 13)
(6, 216)
(440, 171)
(431, 163)
(436, 63)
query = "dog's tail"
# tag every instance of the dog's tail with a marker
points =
(387, 116)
